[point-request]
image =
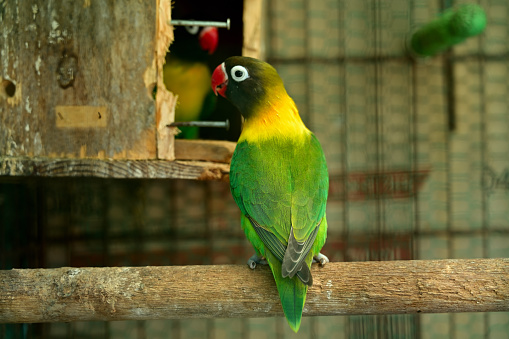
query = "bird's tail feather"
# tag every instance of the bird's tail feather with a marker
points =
(291, 291)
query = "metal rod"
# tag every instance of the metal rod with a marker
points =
(219, 24)
(216, 124)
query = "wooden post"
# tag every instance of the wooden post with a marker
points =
(253, 46)
(141, 293)
(79, 79)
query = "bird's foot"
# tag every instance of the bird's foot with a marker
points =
(320, 258)
(254, 260)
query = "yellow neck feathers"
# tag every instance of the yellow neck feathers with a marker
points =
(278, 118)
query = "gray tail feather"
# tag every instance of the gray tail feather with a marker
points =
(304, 275)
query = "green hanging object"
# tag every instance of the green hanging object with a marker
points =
(452, 27)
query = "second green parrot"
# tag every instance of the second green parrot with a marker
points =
(278, 178)
(187, 74)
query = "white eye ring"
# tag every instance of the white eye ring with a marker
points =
(239, 73)
(192, 29)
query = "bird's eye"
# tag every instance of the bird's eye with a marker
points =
(192, 29)
(239, 73)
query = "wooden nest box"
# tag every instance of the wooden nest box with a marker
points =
(77, 92)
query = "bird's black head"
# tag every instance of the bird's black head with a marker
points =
(194, 43)
(247, 83)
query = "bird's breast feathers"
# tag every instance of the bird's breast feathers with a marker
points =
(277, 118)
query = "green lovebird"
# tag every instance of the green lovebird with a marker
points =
(278, 178)
(186, 74)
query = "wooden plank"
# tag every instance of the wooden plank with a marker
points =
(110, 168)
(206, 150)
(69, 53)
(176, 292)
(253, 29)
(165, 100)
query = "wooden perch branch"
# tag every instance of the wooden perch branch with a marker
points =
(140, 293)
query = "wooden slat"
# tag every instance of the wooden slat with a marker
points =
(206, 150)
(166, 101)
(253, 29)
(108, 168)
(141, 293)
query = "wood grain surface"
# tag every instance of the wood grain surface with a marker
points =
(176, 292)
(79, 55)
(18, 167)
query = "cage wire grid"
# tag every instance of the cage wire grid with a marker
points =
(380, 116)
(448, 113)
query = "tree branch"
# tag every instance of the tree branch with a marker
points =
(175, 292)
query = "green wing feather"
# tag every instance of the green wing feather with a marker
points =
(281, 188)
(281, 185)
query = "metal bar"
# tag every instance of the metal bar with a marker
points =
(215, 124)
(219, 24)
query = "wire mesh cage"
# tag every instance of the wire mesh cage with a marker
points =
(418, 156)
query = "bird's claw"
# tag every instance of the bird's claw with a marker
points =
(320, 258)
(254, 260)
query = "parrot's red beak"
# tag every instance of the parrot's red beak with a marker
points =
(208, 39)
(219, 80)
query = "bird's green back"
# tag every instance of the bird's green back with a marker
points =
(281, 182)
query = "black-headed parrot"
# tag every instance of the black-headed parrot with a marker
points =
(187, 74)
(278, 178)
